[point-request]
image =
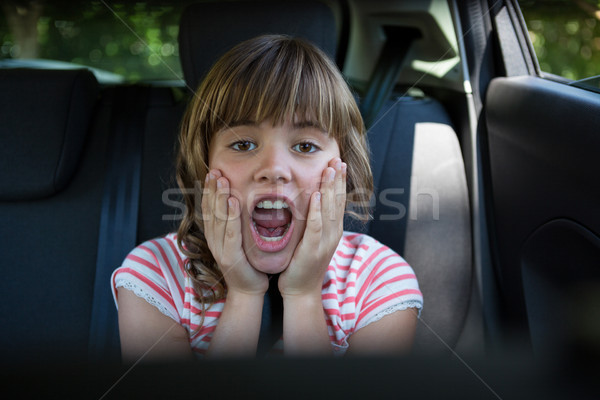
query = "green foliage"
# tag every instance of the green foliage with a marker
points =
(136, 40)
(565, 35)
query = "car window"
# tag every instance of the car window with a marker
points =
(565, 35)
(120, 41)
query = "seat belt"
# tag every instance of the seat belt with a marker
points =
(271, 326)
(387, 69)
(119, 214)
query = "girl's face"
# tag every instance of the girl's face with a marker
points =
(272, 171)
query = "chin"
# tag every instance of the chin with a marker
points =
(271, 264)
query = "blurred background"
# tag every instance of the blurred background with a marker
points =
(138, 40)
(565, 35)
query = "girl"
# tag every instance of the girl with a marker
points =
(271, 144)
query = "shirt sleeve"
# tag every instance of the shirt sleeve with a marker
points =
(388, 285)
(145, 273)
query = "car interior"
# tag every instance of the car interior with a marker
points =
(485, 182)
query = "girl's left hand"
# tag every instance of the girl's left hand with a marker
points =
(324, 228)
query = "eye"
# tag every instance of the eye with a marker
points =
(305, 147)
(243, 145)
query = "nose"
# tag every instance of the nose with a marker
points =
(274, 165)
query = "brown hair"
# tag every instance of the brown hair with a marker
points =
(270, 77)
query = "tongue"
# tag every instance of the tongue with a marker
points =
(271, 232)
(271, 223)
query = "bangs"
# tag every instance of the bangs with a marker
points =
(278, 83)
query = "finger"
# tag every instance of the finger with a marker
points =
(232, 243)
(213, 191)
(327, 190)
(336, 191)
(207, 201)
(220, 200)
(340, 177)
(209, 191)
(340, 190)
(220, 212)
(314, 225)
(334, 202)
(208, 194)
(210, 199)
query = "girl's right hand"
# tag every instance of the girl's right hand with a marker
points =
(223, 231)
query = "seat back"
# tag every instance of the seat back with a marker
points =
(51, 179)
(422, 211)
(208, 30)
(160, 200)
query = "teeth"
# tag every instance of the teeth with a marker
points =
(268, 204)
(271, 239)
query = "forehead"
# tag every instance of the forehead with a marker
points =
(290, 129)
(296, 124)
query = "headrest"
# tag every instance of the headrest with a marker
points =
(208, 30)
(44, 118)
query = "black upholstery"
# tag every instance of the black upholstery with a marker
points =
(160, 202)
(208, 30)
(48, 244)
(42, 138)
(543, 148)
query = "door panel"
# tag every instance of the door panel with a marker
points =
(544, 151)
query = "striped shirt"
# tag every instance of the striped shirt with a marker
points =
(364, 282)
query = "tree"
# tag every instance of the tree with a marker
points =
(22, 18)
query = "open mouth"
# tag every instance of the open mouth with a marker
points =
(272, 224)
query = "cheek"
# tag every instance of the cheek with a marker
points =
(235, 176)
(311, 183)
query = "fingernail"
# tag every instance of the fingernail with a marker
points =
(344, 167)
(318, 196)
(219, 184)
(338, 164)
(230, 202)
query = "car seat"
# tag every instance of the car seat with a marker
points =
(52, 158)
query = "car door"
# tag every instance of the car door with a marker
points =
(538, 142)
